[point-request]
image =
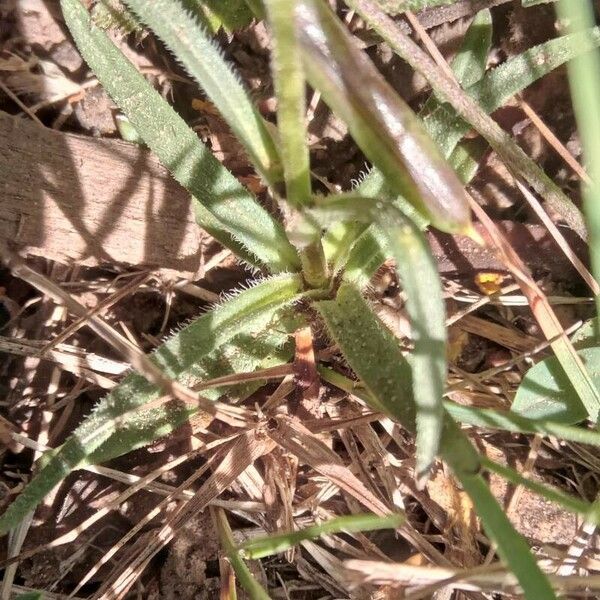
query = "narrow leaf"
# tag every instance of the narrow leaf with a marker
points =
(375, 357)
(290, 89)
(243, 334)
(468, 66)
(512, 547)
(233, 210)
(585, 89)
(203, 59)
(273, 544)
(421, 283)
(249, 583)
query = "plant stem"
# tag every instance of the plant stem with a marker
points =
(584, 77)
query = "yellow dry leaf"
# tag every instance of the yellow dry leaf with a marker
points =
(489, 283)
(204, 106)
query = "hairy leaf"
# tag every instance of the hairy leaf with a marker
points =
(243, 334)
(234, 213)
(375, 357)
(203, 59)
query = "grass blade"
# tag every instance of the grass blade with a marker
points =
(243, 334)
(375, 357)
(512, 547)
(585, 90)
(425, 305)
(203, 59)
(274, 544)
(382, 124)
(290, 89)
(254, 590)
(235, 212)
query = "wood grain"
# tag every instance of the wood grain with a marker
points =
(89, 201)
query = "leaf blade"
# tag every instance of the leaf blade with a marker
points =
(203, 59)
(234, 210)
(203, 350)
(375, 357)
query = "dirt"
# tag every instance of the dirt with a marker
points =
(191, 567)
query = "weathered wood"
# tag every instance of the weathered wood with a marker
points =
(95, 201)
(89, 201)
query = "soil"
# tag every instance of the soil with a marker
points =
(40, 64)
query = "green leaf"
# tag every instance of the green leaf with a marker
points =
(375, 357)
(470, 62)
(584, 81)
(512, 547)
(231, 15)
(272, 544)
(417, 270)
(30, 596)
(546, 391)
(233, 210)
(249, 331)
(500, 84)
(509, 421)
(111, 14)
(396, 7)
(290, 90)
(470, 110)
(253, 588)
(383, 125)
(203, 59)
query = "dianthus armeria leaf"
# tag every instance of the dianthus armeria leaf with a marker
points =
(418, 274)
(375, 357)
(189, 42)
(247, 332)
(382, 124)
(290, 90)
(236, 216)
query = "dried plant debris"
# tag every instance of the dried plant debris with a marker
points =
(324, 463)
